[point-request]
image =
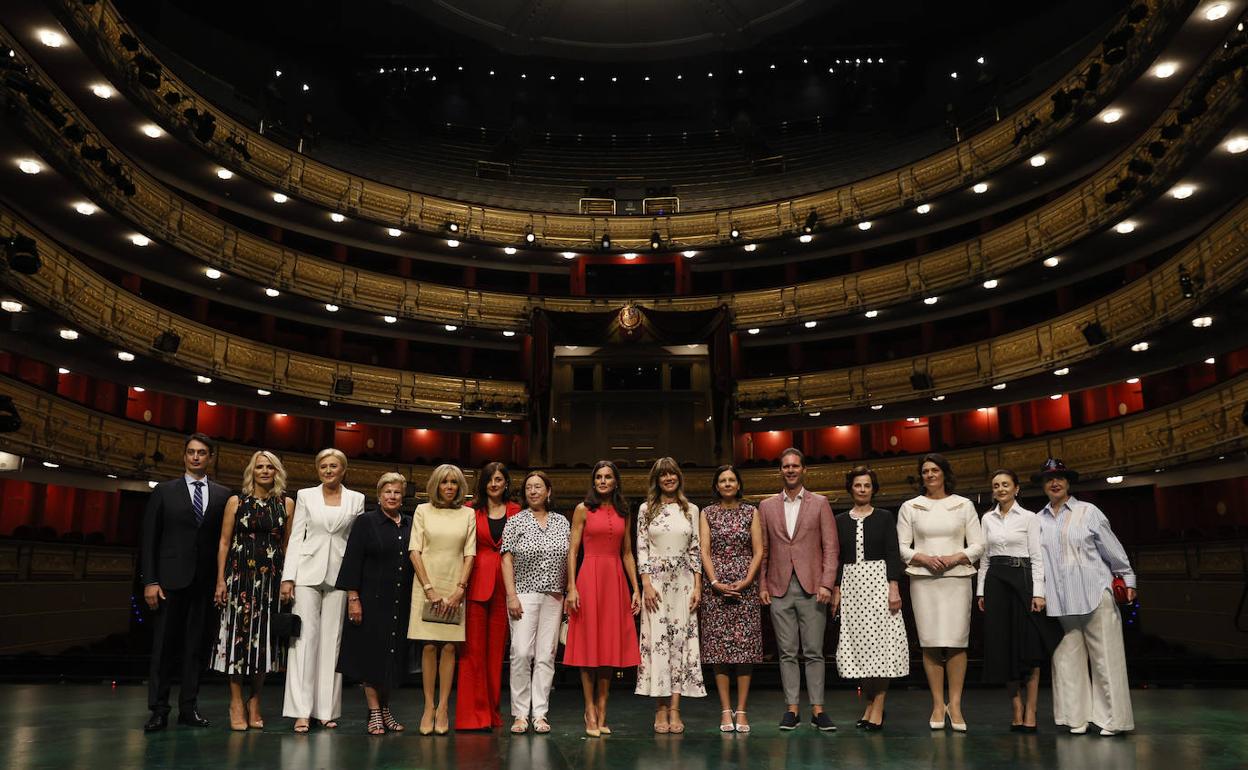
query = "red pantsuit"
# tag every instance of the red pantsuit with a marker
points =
(485, 643)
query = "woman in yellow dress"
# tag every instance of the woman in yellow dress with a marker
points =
(442, 547)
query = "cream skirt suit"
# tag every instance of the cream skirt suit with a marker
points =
(941, 602)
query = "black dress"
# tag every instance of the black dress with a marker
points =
(376, 565)
(247, 644)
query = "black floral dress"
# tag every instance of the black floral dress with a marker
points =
(247, 644)
(732, 629)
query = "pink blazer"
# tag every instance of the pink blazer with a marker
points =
(812, 552)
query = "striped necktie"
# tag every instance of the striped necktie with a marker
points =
(197, 501)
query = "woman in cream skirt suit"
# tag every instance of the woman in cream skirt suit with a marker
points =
(940, 540)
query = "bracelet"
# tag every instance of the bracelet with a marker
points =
(427, 587)
(353, 598)
(463, 586)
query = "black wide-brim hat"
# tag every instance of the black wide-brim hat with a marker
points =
(1054, 467)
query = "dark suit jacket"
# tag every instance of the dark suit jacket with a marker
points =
(176, 552)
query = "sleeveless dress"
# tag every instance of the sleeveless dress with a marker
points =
(732, 629)
(602, 633)
(247, 644)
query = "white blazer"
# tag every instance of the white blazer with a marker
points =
(939, 528)
(318, 536)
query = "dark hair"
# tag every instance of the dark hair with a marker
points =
(550, 488)
(951, 481)
(202, 438)
(862, 470)
(617, 501)
(1006, 472)
(715, 481)
(481, 498)
(801, 458)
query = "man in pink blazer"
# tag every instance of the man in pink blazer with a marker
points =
(798, 573)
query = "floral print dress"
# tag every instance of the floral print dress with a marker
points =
(732, 628)
(669, 551)
(247, 644)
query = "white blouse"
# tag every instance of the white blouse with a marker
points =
(1017, 534)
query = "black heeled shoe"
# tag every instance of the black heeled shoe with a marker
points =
(375, 725)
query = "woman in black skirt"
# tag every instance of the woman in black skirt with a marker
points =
(1018, 636)
(377, 577)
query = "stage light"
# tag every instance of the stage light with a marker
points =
(1133, 380)
(1055, 397)
(509, 250)
(864, 226)
(103, 90)
(529, 237)
(22, 254)
(126, 356)
(938, 398)
(212, 273)
(1237, 145)
(152, 131)
(568, 254)
(1125, 227)
(876, 407)
(452, 227)
(51, 38)
(808, 414)
(11, 306)
(1139, 347)
(1065, 370)
(452, 243)
(138, 389)
(280, 198)
(734, 234)
(225, 174)
(390, 319)
(1215, 11)
(1165, 69)
(271, 292)
(383, 410)
(334, 216)
(331, 307)
(322, 402)
(1202, 322)
(1111, 116)
(1052, 261)
(68, 334)
(85, 208)
(62, 370)
(1182, 191)
(930, 300)
(203, 379)
(450, 327)
(753, 330)
(811, 324)
(999, 386)
(1038, 160)
(750, 246)
(306, 88)
(29, 166)
(991, 283)
(1211, 361)
(923, 208)
(689, 254)
(630, 256)
(871, 314)
(953, 75)
(508, 333)
(980, 188)
(263, 392)
(805, 238)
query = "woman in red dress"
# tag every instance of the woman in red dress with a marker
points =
(601, 598)
(481, 664)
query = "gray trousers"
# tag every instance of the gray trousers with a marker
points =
(798, 618)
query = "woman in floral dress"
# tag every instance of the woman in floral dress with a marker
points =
(249, 569)
(731, 621)
(669, 558)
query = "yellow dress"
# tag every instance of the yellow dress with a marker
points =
(444, 536)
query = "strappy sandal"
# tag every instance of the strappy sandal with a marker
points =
(671, 728)
(392, 724)
(729, 727)
(520, 726)
(302, 729)
(375, 725)
(740, 727)
(329, 724)
(541, 726)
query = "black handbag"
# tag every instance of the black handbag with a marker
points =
(287, 624)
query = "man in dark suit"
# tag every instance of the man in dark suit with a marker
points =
(181, 529)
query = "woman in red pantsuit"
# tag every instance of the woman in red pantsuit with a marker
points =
(481, 665)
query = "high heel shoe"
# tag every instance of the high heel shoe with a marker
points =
(731, 726)
(426, 722)
(391, 724)
(237, 722)
(958, 727)
(254, 720)
(677, 728)
(375, 725)
(591, 727)
(941, 724)
(441, 722)
(742, 728)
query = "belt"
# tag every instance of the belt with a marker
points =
(1009, 561)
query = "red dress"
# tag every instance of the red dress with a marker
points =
(485, 631)
(603, 632)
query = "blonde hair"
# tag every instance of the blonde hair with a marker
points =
(654, 497)
(390, 478)
(437, 477)
(331, 452)
(279, 478)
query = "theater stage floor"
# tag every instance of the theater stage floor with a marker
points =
(82, 726)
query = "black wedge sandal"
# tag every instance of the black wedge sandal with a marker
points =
(375, 725)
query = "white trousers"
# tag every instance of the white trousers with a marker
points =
(313, 685)
(1103, 699)
(534, 638)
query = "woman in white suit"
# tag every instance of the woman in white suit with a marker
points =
(318, 539)
(940, 540)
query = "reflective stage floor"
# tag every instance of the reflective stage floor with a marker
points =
(82, 726)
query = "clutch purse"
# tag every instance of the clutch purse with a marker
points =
(1119, 588)
(429, 614)
(287, 625)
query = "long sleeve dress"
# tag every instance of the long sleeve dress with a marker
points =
(669, 551)
(376, 566)
(873, 641)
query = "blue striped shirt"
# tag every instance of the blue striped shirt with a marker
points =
(1081, 557)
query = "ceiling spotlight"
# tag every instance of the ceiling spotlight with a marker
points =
(452, 243)
(29, 166)
(277, 73)
(103, 90)
(51, 38)
(451, 327)
(529, 237)
(751, 246)
(383, 410)
(271, 292)
(1038, 160)
(734, 233)
(1165, 69)
(1056, 397)
(334, 216)
(137, 389)
(306, 88)
(263, 392)
(630, 256)
(568, 254)
(1237, 145)
(922, 208)
(1065, 370)
(1113, 479)
(805, 238)
(1182, 191)
(393, 232)
(203, 380)
(508, 333)
(11, 306)
(756, 419)
(1202, 322)
(991, 283)
(1139, 347)
(980, 188)
(1211, 361)
(1133, 381)
(655, 241)
(938, 398)
(509, 250)
(138, 239)
(1052, 262)
(331, 307)
(871, 314)
(930, 300)
(68, 334)
(876, 407)
(225, 173)
(322, 402)
(62, 370)
(280, 198)
(1215, 11)
(753, 330)
(85, 208)
(152, 131)
(811, 324)
(813, 414)
(123, 355)
(689, 254)
(999, 386)
(864, 226)
(1125, 227)
(212, 273)
(1111, 116)
(953, 75)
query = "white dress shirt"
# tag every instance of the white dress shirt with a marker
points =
(792, 505)
(190, 488)
(1082, 554)
(1015, 533)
